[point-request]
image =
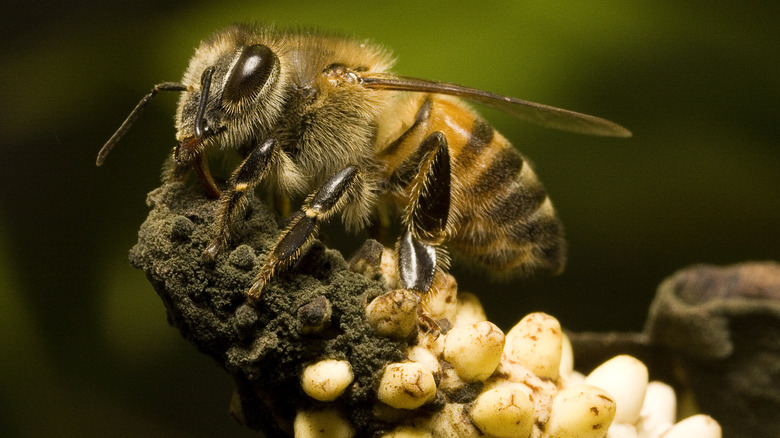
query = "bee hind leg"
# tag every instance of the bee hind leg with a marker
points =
(233, 201)
(329, 199)
(426, 216)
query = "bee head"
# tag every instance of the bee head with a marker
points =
(230, 95)
(234, 100)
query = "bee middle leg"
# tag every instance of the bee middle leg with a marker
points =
(331, 197)
(233, 201)
(426, 215)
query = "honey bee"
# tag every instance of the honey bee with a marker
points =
(320, 115)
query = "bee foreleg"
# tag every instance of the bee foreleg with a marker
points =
(426, 218)
(328, 200)
(233, 201)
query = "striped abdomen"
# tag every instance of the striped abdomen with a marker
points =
(500, 214)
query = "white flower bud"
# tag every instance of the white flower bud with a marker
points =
(581, 411)
(699, 426)
(574, 378)
(327, 379)
(389, 267)
(659, 410)
(450, 381)
(504, 412)
(431, 341)
(625, 379)
(425, 357)
(469, 310)
(326, 423)
(536, 343)
(406, 385)
(408, 432)
(393, 314)
(452, 421)
(567, 356)
(441, 302)
(620, 430)
(474, 350)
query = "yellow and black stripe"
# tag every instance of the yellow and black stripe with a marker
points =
(501, 216)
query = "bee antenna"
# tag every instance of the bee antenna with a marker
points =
(165, 86)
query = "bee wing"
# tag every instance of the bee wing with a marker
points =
(543, 115)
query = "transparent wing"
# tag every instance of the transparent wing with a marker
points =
(543, 115)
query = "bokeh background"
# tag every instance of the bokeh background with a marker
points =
(85, 349)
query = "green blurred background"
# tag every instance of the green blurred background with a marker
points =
(86, 350)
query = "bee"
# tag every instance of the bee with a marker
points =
(321, 115)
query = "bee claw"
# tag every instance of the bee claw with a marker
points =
(211, 251)
(253, 294)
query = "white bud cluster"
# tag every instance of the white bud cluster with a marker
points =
(521, 384)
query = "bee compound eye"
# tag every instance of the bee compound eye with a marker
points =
(250, 73)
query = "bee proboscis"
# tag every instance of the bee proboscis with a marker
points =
(317, 114)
